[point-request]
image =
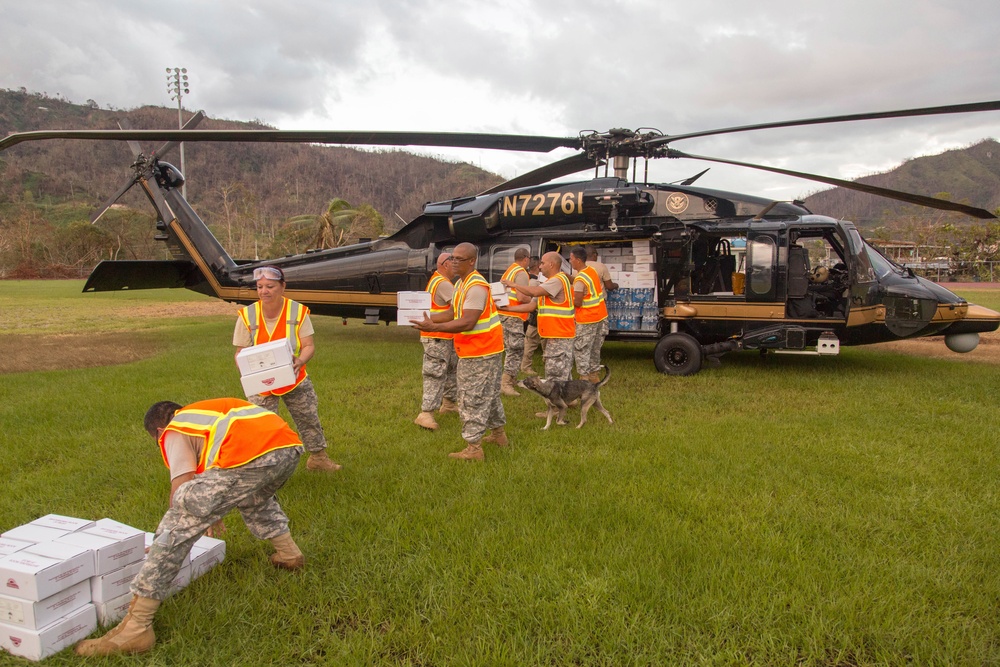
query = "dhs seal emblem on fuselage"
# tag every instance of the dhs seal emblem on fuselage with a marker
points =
(677, 203)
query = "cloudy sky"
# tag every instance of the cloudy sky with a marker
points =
(553, 67)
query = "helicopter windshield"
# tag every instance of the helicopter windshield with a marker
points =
(882, 265)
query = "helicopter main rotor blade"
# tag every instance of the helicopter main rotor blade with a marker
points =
(133, 145)
(904, 113)
(510, 142)
(564, 167)
(851, 185)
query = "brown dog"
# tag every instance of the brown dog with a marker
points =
(558, 394)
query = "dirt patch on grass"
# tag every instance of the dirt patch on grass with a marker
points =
(987, 352)
(35, 352)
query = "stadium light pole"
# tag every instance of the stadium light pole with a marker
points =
(177, 86)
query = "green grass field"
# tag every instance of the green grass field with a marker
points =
(780, 511)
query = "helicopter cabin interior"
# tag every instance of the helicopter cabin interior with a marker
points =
(803, 267)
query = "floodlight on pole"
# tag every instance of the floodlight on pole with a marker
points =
(177, 87)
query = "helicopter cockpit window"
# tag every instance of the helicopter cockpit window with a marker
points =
(761, 252)
(882, 265)
(861, 266)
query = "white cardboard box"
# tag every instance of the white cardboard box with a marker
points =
(112, 611)
(644, 259)
(34, 534)
(413, 300)
(33, 576)
(405, 318)
(614, 267)
(38, 644)
(267, 380)
(104, 587)
(265, 356)
(60, 522)
(33, 615)
(9, 546)
(206, 553)
(107, 553)
(499, 294)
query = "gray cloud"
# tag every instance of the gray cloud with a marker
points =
(554, 67)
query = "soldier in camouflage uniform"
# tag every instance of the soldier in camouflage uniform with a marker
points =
(223, 454)
(591, 316)
(439, 362)
(474, 320)
(556, 326)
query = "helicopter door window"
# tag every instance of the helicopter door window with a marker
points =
(501, 257)
(762, 253)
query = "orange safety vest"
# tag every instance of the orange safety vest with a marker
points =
(593, 309)
(433, 285)
(289, 322)
(512, 271)
(556, 320)
(486, 336)
(235, 432)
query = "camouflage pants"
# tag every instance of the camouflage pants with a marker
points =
(479, 403)
(513, 344)
(303, 406)
(440, 362)
(587, 346)
(532, 341)
(558, 357)
(206, 499)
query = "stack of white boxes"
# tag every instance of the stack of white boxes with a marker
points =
(61, 576)
(266, 366)
(411, 306)
(630, 265)
(633, 306)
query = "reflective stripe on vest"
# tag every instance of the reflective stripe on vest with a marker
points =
(289, 322)
(510, 274)
(235, 432)
(486, 336)
(556, 320)
(593, 309)
(433, 285)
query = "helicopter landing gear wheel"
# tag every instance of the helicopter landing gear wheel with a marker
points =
(677, 354)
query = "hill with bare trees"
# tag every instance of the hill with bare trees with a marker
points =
(968, 175)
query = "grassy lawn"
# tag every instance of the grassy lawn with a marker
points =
(779, 511)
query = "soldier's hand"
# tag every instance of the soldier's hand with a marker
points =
(217, 529)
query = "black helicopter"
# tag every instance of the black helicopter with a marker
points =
(702, 271)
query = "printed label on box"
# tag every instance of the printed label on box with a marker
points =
(413, 300)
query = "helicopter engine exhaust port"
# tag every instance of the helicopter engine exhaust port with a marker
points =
(962, 343)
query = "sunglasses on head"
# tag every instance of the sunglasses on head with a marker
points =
(269, 272)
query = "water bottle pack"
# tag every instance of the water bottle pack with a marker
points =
(632, 309)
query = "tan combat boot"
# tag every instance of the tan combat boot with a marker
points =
(447, 405)
(320, 461)
(426, 420)
(498, 437)
(133, 635)
(474, 452)
(507, 385)
(287, 555)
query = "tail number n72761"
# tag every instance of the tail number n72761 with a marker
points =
(552, 203)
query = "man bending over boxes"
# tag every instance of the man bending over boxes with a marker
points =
(223, 454)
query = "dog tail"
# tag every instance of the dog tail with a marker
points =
(607, 375)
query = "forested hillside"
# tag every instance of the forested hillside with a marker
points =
(247, 193)
(969, 175)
